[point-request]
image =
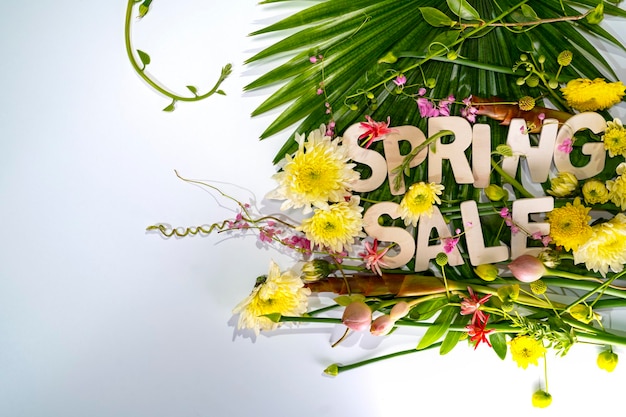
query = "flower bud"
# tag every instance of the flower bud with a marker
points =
(399, 310)
(527, 268)
(441, 259)
(526, 103)
(581, 312)
(382, 325)
(332, 370)
(563, 184)
(486, 272)
(595, 192)
(607, 360)
(532, 81)
(565, 58)
(538, 287)
(541, 399)
(550, 258)
(315, 270)
(357, 316)
(496, 193)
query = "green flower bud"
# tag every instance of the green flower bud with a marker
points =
(316, 269)
(541, 59)
(496, 193)
(431, 83)
(532, 81)
(520, 81)
(565, 58)
(538, 287)
(332, 370)
(607, 360)
(369, 95)
(553, 84)
(541, 399)
(441, 259)
(486, 272)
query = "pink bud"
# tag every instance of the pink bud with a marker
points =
(527, 268)
(399, 310)
(357, 316)
(382, 325)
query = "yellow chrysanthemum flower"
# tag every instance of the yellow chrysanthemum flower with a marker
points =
(317, 174)
(569, 225)
(525, 350)
(587, 95)
(617, 187)
(606, 248)
(615, 138)
(595, 192)
(563, 184)
(418, 200)
(336, 227)
(282, 293)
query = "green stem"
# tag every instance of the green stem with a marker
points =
(139, 67)
(508, 178)
(441, 51)
(343, 368)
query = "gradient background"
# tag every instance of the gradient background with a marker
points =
(99, 318)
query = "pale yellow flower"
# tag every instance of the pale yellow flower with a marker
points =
(281, 293)
(569, 225)
(595, 192)
(418, 200)
(335, 228)
(617, 187)
(606, 248)
(317, 174)
(615, 138)
(563, 184)
(525, 350)
(587, 95)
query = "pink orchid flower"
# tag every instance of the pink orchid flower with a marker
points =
(471, 305)
(373, 257)
(374, 130)
(478, 332)
(567, 146)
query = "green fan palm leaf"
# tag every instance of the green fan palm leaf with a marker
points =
(354, 36)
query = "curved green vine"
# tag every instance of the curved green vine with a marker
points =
(140, 60)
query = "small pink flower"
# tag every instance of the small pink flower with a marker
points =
(426, 108)
(357, 316)
(319, 92)
(373, 257)
(527, 268)
(471, 305)
(374, 130)
(421, 91)
(567, 146)
(449, 243)
(313, 59)
(469, 111)
(400, 80)
(541, 116)
(382, 325)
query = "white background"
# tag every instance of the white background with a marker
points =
(100, 318)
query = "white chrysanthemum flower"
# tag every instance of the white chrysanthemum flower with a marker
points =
(281, 292)
(317, 174)
(606, 249)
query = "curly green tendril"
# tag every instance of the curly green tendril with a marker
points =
(140, 60)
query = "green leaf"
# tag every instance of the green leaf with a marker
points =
(453, 337)
(171, 107)
(436, 17)
(345, 300)
(498, 342)
(424, 311)
(274, 317)
(193, 89)
(220, 92)
(144, 57)
(597, 15)
(438, 328)
(463, 9)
